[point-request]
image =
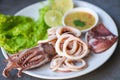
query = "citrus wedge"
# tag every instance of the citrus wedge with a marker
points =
(62, 5)
(53, 18)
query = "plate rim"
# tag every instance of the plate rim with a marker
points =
(75, 75)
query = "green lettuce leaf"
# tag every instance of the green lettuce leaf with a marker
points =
(20, 32)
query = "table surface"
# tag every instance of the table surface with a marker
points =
(109, 71)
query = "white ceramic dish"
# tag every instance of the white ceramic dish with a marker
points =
(82, 9)
(94, 61)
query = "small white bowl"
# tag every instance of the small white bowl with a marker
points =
(82, 9)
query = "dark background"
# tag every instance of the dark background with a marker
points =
(109, 71)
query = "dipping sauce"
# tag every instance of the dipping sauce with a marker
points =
(80, 20)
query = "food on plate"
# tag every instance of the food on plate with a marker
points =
(30, 58)
(69, 30)
(53, 18)
(36, 43)
(63, 64)
(81, 18)
(19, 32)
(63, 42)
(61, 5)
(69, 47)
(100, 38)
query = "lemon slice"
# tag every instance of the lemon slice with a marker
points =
(62, 5)
(53, 18)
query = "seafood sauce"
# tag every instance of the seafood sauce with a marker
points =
(80, 20)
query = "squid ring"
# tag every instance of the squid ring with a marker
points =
(79, 55)
(66, 29)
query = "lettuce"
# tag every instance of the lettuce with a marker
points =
(20, 32)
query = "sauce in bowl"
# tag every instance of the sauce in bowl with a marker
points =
(82, 18)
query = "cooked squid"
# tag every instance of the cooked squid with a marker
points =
(100, 39)
(70, 49)
(65, 41)
(78, 50)
(63, 64)
(30, 58)
(69, 30)
(51, 37)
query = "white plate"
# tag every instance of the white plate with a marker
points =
(94, 61)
